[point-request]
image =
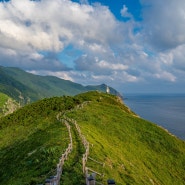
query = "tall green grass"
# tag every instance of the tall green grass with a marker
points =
(3, 99)
(31, 142)
(133, 150)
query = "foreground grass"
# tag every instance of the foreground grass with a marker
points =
(31, 142)
(134, 151)
(32, 157)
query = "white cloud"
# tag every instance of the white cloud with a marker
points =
(124, 12)
(63, 75)
(164, 23)
(31, 26)
(178, 58)
(112, 51)
(30, 61)
(51, 25)
(105, 65)
(166, 75)
(99, 66)
(174, 59)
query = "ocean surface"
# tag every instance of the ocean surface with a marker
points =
(167, 110)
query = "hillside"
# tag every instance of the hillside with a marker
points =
(7, 105)
(25, 87)
(121, 145)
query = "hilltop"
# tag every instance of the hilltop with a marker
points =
(122, 146)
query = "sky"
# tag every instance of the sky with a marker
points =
(134, 46)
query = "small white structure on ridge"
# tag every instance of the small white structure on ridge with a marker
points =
(107, 90)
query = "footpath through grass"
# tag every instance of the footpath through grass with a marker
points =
(72, 169)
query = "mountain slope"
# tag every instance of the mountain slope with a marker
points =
(12, 87)
(26, 87)
(133, 150)
(7, 105)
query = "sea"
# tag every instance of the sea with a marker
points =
(166, 110)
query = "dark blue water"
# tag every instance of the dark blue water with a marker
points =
(167, 111)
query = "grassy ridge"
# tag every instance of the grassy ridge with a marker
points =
(134, 151)
(32, 140)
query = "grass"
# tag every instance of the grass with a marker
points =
(7, 104)
(3, 99)
(31, 142)
(33, 154)
(72, 170)
(133, 150)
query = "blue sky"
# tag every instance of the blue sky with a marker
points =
(131, 45)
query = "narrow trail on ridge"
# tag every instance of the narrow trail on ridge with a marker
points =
(72, 169)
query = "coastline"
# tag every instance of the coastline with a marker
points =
(165, 110)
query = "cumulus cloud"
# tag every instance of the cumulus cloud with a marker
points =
(164, 23)
(98, 66)
(32, 26)
(124, 13)
(34, 34)
(178, 55)
(30, 61)
(51, 25)
(165, 75)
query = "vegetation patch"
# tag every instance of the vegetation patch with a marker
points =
(122, 146)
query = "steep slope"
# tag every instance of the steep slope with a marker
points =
(122, 146)
(32, 140)
(44, 86)
(26, 87)
(13, 88)
(135, 151)
(7, 105)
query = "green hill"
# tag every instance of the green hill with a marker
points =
(25, 87)
(122, 146)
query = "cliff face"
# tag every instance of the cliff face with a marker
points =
(122, 146)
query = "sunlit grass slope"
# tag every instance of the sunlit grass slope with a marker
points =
(7, 104)
(32, 140)
(3, 99)
(134, 151)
